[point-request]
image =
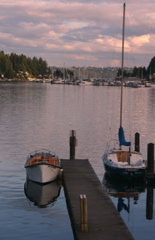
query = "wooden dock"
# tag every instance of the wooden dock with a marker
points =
(104, 221)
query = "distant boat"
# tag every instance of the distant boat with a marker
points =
(85, 83)
(43, 166)
(58, 81)
(124, 163)
(147, 84)
(42, 195)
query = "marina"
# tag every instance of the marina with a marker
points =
(35, 116)
(128, 82)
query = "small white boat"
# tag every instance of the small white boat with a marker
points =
(43, 166)
(147, 84)
(85, 83)
(58, 81)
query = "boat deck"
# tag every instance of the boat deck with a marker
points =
(45, 160)
(104, 221)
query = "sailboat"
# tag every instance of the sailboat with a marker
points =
(118, 162)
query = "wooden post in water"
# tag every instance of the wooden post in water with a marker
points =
(137, 142)
(150, 158)
(83, 213)
(72, 144)
(149, 203)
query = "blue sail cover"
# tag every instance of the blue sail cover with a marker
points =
(122, 140)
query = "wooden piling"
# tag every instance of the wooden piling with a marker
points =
(150, 158)
(72, 144)
(83, 213)
(137, 142)
(149, 203)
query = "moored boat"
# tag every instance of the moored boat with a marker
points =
(120, 162)
(124, 163)
(43, 166)
(86, 83)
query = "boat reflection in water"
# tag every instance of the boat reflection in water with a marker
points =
(123, 190)
(42, 195)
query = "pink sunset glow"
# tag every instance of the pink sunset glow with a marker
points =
(79, 33)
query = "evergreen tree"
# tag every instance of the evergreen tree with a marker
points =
(58, 74)
(20, 66)
(151, 67)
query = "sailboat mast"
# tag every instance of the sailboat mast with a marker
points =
(123, 33)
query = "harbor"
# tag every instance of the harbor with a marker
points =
(33, 117)
(92, 219)
(77, 120)
(90, 208)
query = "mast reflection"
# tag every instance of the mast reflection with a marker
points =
(122, 190)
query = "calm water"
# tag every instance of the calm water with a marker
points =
(34, 116)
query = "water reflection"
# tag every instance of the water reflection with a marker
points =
(42, 195)
(149, 200)
(123, 190)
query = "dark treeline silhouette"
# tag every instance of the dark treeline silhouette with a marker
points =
(19, 66)
(63, 73)
(140, 72)
(14, 66)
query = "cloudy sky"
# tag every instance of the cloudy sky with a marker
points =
(79, 32)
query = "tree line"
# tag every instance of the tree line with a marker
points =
(140, 72)
(14, 66)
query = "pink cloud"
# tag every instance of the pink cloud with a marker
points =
(77, 28)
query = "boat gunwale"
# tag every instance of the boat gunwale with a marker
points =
(42, 163)
(115, 151)
(120, 164)
(42, 150)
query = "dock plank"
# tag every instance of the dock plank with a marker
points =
(104, 221)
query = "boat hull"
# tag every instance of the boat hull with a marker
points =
(42, 173)
(124, 164)
(43, 166)
(125, 172)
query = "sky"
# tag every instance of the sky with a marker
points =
(79, 32)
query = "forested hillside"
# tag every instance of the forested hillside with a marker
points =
(15, 66)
